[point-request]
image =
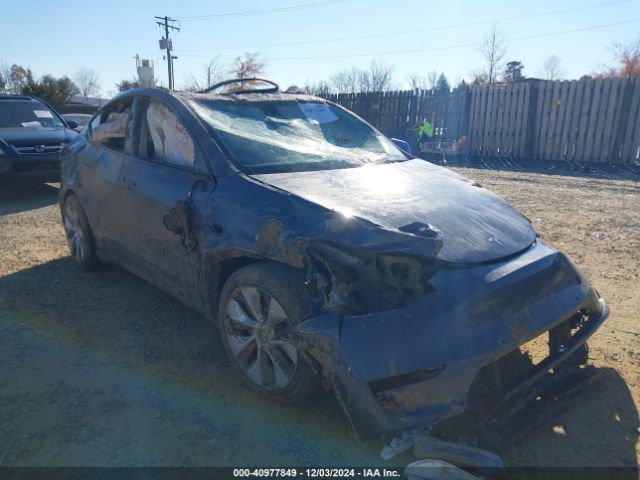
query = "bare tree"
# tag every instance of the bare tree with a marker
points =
(5, 71)
(479, 77)
(87, 82)
(377, 78)
(418, 82)
(493, 48)
(627, 62)
(364, 82)
(211, 74)
(552, 69)
(213, 71)
(432, 78)
(423, 82)
(380, 76)
(320, 88)
(13, 77)
(345, 81)
(247, 66)
(628, 56)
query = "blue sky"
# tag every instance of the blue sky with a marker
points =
(59, 37)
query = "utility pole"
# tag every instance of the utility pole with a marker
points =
(173, 70)
(167, 23)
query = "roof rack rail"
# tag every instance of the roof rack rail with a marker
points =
(273, 89)
(13, 96)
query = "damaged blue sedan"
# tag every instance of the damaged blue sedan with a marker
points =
(326, 254)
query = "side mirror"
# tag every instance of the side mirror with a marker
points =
(402, 145)
(72, 124)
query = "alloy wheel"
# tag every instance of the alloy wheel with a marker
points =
(252, 321)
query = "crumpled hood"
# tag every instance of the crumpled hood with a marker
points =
(27, 137)
(476, 225)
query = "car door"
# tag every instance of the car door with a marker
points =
(159, 185)
(99, 172)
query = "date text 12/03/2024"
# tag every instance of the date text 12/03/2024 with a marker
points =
(318, 472)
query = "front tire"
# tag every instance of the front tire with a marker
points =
(78, 233)
(256, 302)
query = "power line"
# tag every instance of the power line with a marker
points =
(411, 32)
(445, 47)
(450, 47)
(247, 13)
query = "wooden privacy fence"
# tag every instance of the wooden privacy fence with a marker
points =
(577, 120)
(396, 112)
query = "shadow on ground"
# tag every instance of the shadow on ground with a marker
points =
(16, 197)
(105, 369)
(594, 437)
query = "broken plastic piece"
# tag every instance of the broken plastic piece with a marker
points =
(425, 446)
(397, 446)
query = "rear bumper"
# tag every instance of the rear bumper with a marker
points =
(408, 368)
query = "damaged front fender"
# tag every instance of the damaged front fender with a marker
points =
(415, 366)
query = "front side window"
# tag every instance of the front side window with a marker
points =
(164, 138)
(110, 126)
(290, 135)
(27, 114)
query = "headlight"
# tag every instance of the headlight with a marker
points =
(361, 281)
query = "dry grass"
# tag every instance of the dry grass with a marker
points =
(103, 369)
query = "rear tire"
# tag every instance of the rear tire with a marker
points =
(78, 233)
(257, 301)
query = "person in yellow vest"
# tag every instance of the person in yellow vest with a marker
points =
(425, 132)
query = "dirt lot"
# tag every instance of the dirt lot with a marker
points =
(104, 369)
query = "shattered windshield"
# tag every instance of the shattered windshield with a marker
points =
(27, 114)
(290, 135)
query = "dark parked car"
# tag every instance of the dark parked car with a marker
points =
(32, 135)
(323, 251)
(80, 119)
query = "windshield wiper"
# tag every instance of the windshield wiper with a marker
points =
(388, 160)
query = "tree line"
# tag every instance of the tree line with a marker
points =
(380, 76)
(57, 92)
(496, 67)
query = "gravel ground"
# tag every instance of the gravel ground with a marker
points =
(103, 369)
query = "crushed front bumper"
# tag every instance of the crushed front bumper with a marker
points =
(411, 367)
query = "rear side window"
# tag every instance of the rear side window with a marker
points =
(109, 128)
(164, 137)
